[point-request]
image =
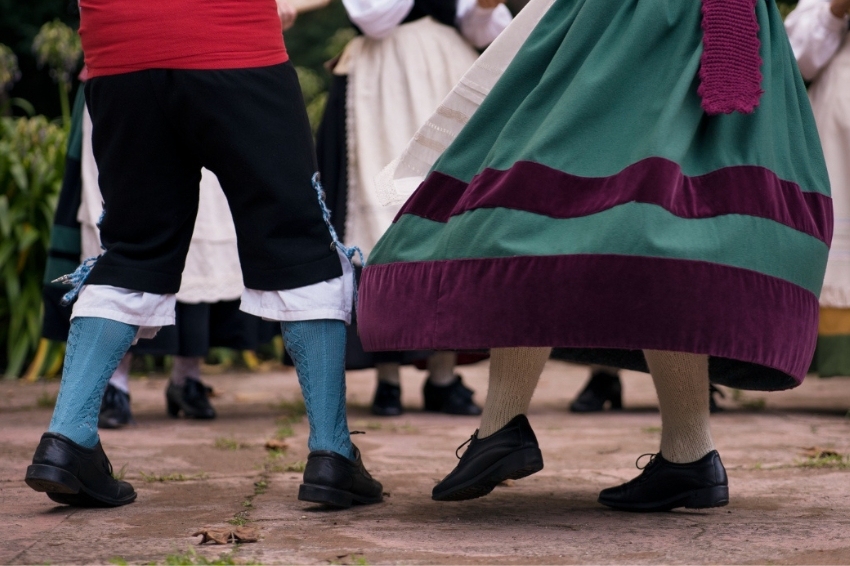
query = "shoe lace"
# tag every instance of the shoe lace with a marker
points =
(470, 439)
(651, 460)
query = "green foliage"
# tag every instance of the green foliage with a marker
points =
(315, 95)
(58, 47)
(32, 162)
(192, 557)
(9, 70)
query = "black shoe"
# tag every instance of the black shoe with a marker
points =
(454, 398)
(387, 402)
(712, 401)
(509, 453)
(192, 398)
(603, 387)
(75, 475)
(114, 409)
(664, 485)
(334, 480)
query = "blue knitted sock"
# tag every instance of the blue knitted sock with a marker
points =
(95, 347)
(318, 349)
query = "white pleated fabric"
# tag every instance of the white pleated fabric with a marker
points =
(821, 46)
(830, 96)
(408, 168)
(394, 85)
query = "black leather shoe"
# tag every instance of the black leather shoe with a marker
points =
(114, 409)
(664, 485)
(713, 393)
(602, 388)
(75, 475)
(334, 480)
(387, 401)
(192, 398)
(509, 453)
(453, 399)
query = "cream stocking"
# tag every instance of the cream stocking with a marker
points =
(681, 381)
(514, 373)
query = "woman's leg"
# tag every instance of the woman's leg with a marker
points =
(514, 373)
(687, 472)
(505, 446)
(681, 381)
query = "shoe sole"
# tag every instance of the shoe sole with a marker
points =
(705, 498)
(514, 466)
(63, 487)
(333, 497)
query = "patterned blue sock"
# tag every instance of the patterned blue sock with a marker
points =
(95, 347)
(318, 349)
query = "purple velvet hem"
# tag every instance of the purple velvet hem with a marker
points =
(591, 301)
(529, 186)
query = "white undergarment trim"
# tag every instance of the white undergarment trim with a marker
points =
(330, 299)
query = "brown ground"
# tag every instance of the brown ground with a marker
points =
(781, 511)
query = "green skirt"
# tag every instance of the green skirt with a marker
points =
(591, 204)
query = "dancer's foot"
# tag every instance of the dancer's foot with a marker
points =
(509, 453)
(75, 475)
(387, 401)
(453, 399)
(115, 409)
(192, 398)
(713, 392)
(665, 485)
(602, 388)
(334, 480)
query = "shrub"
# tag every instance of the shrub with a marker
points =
(32, 162)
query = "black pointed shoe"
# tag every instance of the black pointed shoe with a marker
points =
(509, 453)
(453, 399)
(664, 485)
(332, 479)
(387, 401)
(115, 409)
(192, 398)
(602, 388)
(74, 475)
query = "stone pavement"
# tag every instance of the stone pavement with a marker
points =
(786, 507)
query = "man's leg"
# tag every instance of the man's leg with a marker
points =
(149, 183)
(262, 153)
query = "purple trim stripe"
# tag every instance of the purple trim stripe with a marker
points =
(589, 301)
(529, 186)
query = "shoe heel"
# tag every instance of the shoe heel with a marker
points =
(716, 496)
(525, 463)
(325, 495)
(50, 479)
(616, 400)
(172, 408)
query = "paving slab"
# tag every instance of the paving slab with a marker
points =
(784, 509)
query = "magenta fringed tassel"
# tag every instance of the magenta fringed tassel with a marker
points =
(730, 68)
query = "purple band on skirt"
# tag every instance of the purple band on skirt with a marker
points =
(532, 187)
(589, 301)
(730, 74)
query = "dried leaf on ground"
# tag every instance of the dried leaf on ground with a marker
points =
(818, 452)
(227, 535)
(275, 444)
